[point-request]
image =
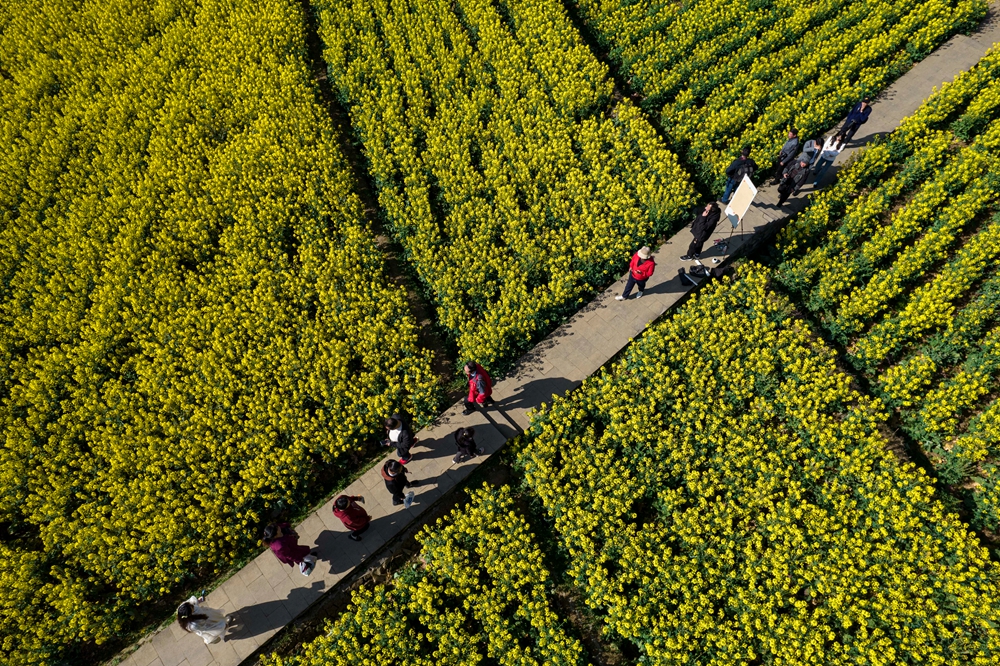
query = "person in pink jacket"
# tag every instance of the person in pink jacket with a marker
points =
(640, 269)
(284, 543)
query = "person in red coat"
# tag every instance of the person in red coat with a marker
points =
(354, 517)
(480, 387)
(284, 543)
(640, 269)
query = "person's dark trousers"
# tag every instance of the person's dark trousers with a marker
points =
(730, 188)
(357, 533)
(396, 488)
(784, 196)
(849, 130)
(694, 249)
(632, 282)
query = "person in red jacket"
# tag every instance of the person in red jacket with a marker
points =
(640, 269)
(354, 517)
(284, 543)
(480, 387)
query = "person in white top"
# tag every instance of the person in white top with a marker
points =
(209, 623)
(831, 148)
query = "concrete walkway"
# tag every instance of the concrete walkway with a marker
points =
(266, 595)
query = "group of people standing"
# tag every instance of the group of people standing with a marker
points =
(816, 155)
(794, 167)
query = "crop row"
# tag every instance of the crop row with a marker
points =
(898, 261)
(480, 593)
(722, 76)
(725, 496)
(484, 127)
(192, 313)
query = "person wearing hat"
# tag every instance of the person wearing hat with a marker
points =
(640, 269)
(702, 228)
(792, 180)
(208, 623)
(352, 514)
(856, 118)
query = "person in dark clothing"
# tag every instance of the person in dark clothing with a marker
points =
(480, 387)
(466, 442)
(741, 166)
(394, 476)
(792, 181)
(354, 517)
(400, 436)
(640, 269)
(856, 118)
(702, 228)
(788, 152)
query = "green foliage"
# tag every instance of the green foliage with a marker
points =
(480, 593)
(898, 260)
(513, 187)
(726, 497)
(192, 314)
(724, 75)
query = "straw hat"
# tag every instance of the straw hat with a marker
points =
(644, 253)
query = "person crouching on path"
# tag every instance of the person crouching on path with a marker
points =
(480, 387)
(400, 436)
(284, 543)
(640, 269)
(466, 443)
(208, 623)
(352, 514)
(792, 181)
(394, 476)
(702, 228)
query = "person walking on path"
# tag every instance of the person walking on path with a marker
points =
(284, 543)
(831, 148)
(640, 269)
(480, 387)
(856, 118)
(810, 150)
(466, 442)
(741, 166)
(394, 476)
(208, 623)
(702, 228)
(792, 181)
(352, 514)
(399, 435)
(788, 152)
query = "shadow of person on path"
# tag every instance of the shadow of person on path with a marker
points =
(536, 392)
(261, 618)
(342, 554)
(672, 286)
